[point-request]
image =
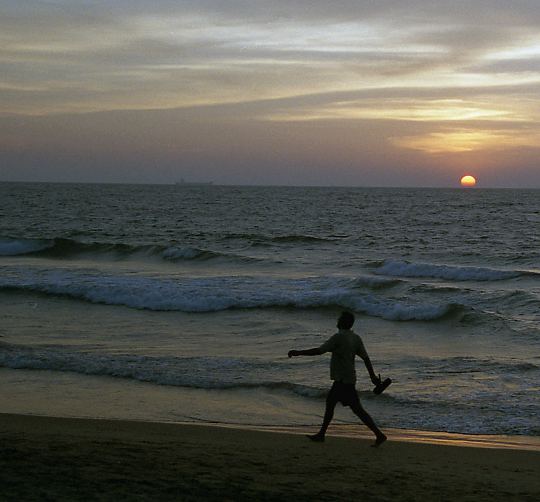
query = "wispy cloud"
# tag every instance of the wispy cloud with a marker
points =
(464, 74)
(182, 53)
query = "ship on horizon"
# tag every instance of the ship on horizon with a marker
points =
(183, 182)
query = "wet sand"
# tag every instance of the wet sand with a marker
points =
(43, 458)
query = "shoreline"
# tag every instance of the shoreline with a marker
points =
(526, 443)
(51, 458)
(351, 431)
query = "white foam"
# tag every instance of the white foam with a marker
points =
(401, 311)
(448, 272)
(209, 294)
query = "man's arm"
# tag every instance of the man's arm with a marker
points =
(374, 378)
(308, 352)
(327, 346)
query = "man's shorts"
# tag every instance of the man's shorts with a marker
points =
(344, 393)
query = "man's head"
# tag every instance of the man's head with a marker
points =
(345, 321)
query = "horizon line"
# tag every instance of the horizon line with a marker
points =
(262, 185)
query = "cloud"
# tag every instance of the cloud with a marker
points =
(415, 79)
(167, 54)
(509, 66)
(463, 140)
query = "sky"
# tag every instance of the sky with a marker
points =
(348, 92)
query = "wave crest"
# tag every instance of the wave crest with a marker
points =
(190, 372)
(15, 247)
(69, 248)
(447, 272)
(210, 294)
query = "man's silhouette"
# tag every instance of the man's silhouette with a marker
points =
(344, 345)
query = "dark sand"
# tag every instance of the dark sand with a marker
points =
(79, 459)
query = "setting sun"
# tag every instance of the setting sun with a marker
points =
(468, 181)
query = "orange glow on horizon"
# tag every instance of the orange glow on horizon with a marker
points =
(468, 181)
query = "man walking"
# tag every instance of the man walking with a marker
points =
(344, 345)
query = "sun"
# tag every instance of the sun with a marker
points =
(468, 181)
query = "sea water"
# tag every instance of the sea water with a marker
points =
(181, 302)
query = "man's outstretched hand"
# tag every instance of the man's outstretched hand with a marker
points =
(293, 353)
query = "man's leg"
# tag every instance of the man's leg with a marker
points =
(328, 415)
(363, 415)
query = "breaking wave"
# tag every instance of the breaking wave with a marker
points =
(61, 248)
(14, 247)
(447, 272)
(191, 372)
(216, 293)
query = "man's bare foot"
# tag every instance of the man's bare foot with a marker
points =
(317, 438)
(379, 441)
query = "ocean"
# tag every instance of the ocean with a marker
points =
(180, 303)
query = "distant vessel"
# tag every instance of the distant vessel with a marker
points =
(183, 182)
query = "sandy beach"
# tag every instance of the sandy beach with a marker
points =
(80, 459)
